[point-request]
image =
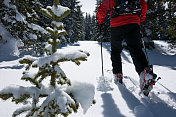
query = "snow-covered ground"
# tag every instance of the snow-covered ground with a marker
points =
(8, 48)
(118, 101)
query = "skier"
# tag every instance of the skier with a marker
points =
(125, 25)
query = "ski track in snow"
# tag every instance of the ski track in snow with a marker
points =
(119, 101)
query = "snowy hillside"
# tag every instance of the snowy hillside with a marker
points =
(118, 101)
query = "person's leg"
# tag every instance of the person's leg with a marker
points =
(133, 40)
(116, 49)
(147, 77)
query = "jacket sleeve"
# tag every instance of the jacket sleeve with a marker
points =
(102, 10)
(144, 10)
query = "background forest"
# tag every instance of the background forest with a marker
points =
(27, 24)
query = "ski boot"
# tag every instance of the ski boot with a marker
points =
(118, 78)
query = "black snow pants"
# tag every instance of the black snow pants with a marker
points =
(130, 33)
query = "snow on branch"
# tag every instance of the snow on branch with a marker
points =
(61, 98)
(83, 93)
(63, 101)
(74, 56)
(21, 110)
(56, 12)
(19, 93)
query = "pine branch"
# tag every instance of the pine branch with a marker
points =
(21, 99)
(26, 61)
(31, 80)
(21, 110)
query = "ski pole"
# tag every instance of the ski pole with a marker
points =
(101, 41)
(145, 50)
(147, 57)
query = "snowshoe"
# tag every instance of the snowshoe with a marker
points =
(148, 87)
(147, 80)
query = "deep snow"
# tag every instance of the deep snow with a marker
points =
(119, 101)
(8, 48)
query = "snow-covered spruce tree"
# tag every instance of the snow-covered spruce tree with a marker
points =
(40, 100)
(19, 18)
(96, 31)
(105, 28)
(94, 28)
(78, 27)
(88, 27)
(89, 23)
(160, 21)
(170, 14)
(74, 22)
(154, 20)
(44, 21)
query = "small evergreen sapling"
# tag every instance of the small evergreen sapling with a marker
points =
(40, 100)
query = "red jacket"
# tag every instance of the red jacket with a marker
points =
(120, 20)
